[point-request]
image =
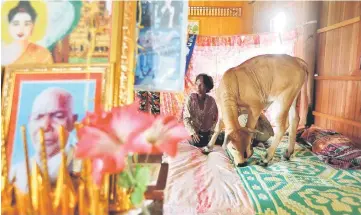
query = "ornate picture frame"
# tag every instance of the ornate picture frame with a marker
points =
(28, 91)
(161, 46)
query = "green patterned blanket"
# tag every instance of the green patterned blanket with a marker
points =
(303, 185)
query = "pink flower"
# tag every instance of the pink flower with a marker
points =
(128, 122)
(100, 120)
(104, 136)
(107, 137)
(162, 136)
(101, 166)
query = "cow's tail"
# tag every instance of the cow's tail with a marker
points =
(304, 93)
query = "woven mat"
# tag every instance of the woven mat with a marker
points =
(303, 185)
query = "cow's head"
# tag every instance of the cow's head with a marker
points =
(241, 134)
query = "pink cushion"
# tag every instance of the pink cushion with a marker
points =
(333, 148)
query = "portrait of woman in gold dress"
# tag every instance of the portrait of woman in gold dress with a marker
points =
(24, 23)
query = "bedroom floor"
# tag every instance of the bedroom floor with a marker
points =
(199, 184)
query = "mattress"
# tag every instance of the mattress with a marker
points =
(200, 184)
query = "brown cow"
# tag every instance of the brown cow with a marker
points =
(255, 85)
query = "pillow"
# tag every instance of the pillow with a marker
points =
(318, 138)
(264, 126)
(333, 148)
(341, 156)
(314, 135)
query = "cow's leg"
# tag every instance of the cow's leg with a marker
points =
(230, 120)
(294, 119)
(217, 130)
(253, 115)
(225, 142)
(280, 128)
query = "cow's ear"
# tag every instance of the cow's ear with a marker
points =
(251, 130)
(254, 131)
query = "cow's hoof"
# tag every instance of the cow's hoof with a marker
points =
(285, 158)
(242, 164)
(206, 150)
(263, 163)
(287, 155)
(249, 155)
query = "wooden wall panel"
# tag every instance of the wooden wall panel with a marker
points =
(333, 12)
(338, 102)
(357, 130)
(217, 26)
(215, 3)
(224, 25)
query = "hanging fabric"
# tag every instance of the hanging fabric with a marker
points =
(214, 55)
(190, 45)
(149, 102)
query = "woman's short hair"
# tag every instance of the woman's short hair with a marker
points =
(22, 7)
(207, 80)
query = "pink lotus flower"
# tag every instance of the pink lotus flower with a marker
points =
(162, 136)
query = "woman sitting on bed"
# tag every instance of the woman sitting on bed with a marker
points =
(200, 116)
(200, 112)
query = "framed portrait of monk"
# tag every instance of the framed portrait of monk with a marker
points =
(47, 98)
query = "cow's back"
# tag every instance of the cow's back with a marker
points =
(262, 78)
(275, 73)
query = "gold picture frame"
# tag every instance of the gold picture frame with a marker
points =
(102, 73)
(123, 37)
(117, 83)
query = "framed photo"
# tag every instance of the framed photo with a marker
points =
(47, 98)
(193, 27)
(161, 46)
(56, 31)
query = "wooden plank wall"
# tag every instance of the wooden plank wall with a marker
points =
(338, 85)
(218, 26)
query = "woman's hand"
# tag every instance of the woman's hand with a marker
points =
(195, 138)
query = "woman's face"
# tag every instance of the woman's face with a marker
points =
(201, 87)
(21, 26)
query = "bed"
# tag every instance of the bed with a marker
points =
(199, 184)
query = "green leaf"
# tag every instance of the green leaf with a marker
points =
(137, 196)
(142, 177)
(124, 180)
